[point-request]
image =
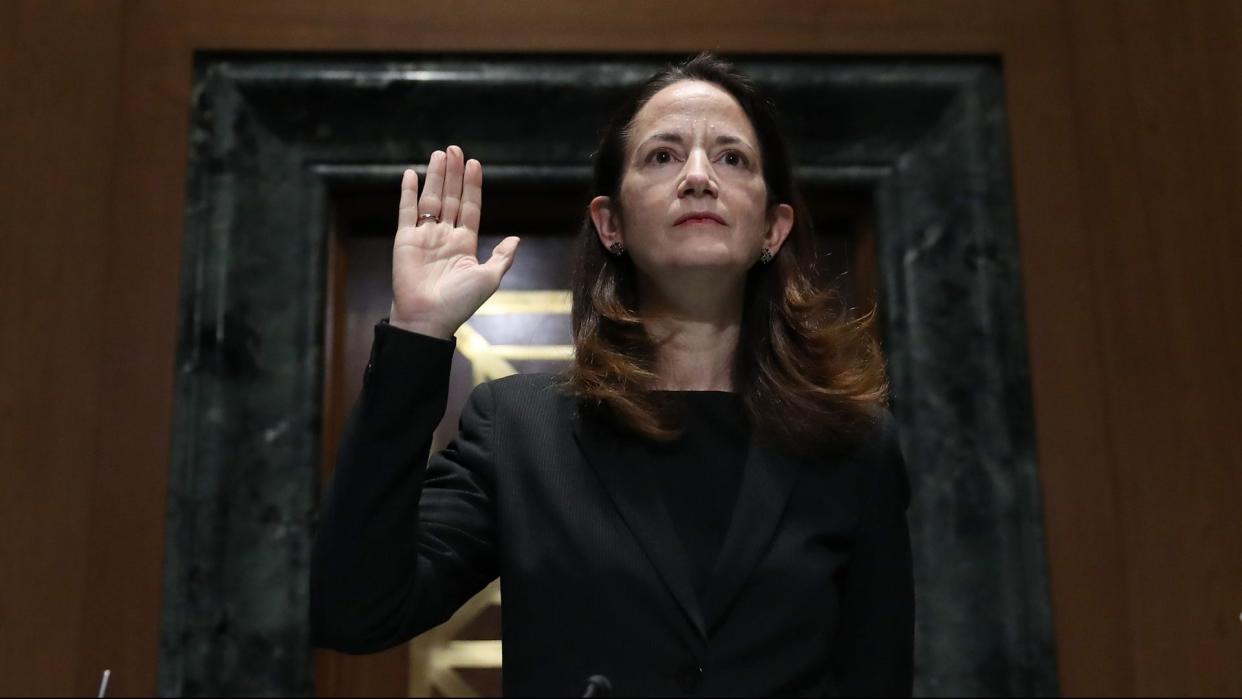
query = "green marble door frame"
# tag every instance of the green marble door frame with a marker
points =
(271, 139)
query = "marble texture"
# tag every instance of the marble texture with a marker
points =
(271, 140)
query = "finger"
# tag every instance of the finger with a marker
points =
(502, 257)
(471, 197)
(407, 210)
(452, 186)
(433, 188)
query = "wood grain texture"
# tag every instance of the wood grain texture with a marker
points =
(1158, 88)
(57, 121)
(121, 608)
(1076, 467)
(1126, 143)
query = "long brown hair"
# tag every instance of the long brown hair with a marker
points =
(810, 376)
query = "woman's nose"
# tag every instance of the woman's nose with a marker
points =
(698, 178)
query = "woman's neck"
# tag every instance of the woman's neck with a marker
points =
(696, 334)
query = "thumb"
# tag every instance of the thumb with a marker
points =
(502, 256)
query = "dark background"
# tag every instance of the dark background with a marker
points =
(1126, 143)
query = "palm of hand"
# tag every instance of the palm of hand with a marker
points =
(438, 281)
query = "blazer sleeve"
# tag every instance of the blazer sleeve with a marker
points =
(402, 541)
(873, 652)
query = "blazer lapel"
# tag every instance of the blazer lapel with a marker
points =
(621, 465)
(767, 481)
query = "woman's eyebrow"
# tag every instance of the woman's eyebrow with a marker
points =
(667, 137)
(728, 140)
(670, 137)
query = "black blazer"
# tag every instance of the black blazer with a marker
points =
(812, 594)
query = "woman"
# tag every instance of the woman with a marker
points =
(711, 500)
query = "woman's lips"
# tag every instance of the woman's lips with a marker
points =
(699, 220)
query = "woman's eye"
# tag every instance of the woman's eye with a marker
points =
(661, 157)
(734, 158)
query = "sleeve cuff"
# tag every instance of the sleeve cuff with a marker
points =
(392, 344)
(401, 359)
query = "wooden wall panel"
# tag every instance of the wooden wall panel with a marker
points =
(57, 119)
(1158, 87)
(139, 313)
(1086, 566)
(1125, 135)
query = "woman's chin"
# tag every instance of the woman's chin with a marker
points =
(703, 265)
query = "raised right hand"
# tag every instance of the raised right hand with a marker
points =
(437, 280)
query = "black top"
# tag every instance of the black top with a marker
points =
(698, 474)
(723, 566)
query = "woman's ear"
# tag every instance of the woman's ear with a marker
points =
(779, 224)
(605, 220)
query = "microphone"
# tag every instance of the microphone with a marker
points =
(598, 686)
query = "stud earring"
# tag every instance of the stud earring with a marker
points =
(616, 248)
(766, 257)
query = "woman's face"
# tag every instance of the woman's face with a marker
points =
(692, 196)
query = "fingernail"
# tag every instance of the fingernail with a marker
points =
(405, 178)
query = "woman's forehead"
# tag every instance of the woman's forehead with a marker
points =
(688, 104)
